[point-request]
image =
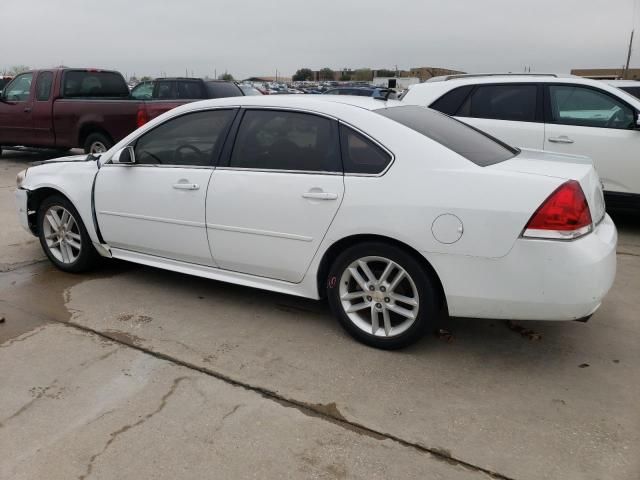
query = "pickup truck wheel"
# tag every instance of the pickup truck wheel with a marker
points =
(97, 143)
(64, 237)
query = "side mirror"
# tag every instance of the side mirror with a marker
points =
(126, 156)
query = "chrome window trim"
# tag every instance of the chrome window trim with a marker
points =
(376, 142)
(276, 170)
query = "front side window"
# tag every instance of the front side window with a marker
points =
(94, 84)
(43, 86)
(18, 90)
(361, 155)
(587, 107)
(166, 90)
(513, 102)
(142, 91)
(278, 140)
(193, 139)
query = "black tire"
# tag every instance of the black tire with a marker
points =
(419, 282)
(87, 257)
(95, 140)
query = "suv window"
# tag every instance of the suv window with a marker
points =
(18, 90)
(143, 91)
(86, 83)
(588, 107)
(361, 155)
(193, 139)
(514, 102)
(451, 102)
(463, 139)
(43, 86)
(189, 89)
(165, 89)
(222, 90)
(278, 140)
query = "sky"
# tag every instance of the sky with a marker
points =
(256, 38)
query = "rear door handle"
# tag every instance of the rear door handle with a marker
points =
(27, 109)
(186, 186)
(320, 195)
(560, 139)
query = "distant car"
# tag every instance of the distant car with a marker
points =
(629, 86)
(395, 213)
(249, 90)
(363, 92)
(551, 112)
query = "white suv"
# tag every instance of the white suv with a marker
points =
(550, 112)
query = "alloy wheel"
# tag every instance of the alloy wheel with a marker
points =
(379, 296)
(98, 147)
(62, 234)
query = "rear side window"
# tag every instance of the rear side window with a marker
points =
(278, 140)
(78, 83)
(193, 139)
(165, 90)
(514, 102)
(451, 102)
(361, 155)
(474, 145)
(189, 90)
(43, 86)
(142, 91)
(222, 90)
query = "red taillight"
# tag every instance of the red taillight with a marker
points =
(142, 117)
(564, 215)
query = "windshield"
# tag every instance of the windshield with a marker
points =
(474, 145)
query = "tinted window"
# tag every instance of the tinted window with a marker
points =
(277, 140)
(142, 91)
(502, 102)
(635, 91)
(18, 90)
(3, 82)
(571, 105)
(190, 140)
(189, 90)
(472, 144)
(222, 90)
(43, 86)
(361, 155)
(94, 84)
(451, 102)
(166, 89)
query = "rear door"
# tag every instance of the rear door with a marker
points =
(42, 110)
(584, 120)
(511, 112)
(270, 205)
(16, 117)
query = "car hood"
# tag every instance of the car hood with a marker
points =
(71, 158)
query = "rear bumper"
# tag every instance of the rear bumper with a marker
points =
(537, 280)
(21, 196)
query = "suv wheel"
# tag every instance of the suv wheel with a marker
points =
(97, 143)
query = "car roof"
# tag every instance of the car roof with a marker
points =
(623, 83)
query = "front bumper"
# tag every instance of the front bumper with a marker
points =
(536, 280)
(22, 208)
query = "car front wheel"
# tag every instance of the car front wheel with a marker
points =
(63, 236)
(382, 295)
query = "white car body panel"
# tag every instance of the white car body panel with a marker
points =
(262, 233)
(614, 151)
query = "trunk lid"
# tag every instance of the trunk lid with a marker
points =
(562, 166)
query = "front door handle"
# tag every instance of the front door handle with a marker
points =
(320, 195)
(27, 109)
(560, 139)
(186, 186)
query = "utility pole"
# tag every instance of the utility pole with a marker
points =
(626, 68)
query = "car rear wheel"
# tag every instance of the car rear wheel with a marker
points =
(63, 236)
(97, 143)
(382, 295)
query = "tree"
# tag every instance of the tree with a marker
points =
(345, 76)
(17, 69)
(302, 75)
(363, 75)
(146, 78)
(326, 74)
(226, 76)
(385, 73)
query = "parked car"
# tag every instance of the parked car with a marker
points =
(249, 90)
(550, 112)
(629, 86)
(66, 108)
(363, 92)
(392, 211)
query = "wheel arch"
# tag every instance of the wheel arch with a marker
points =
(339, 246)
(87, 129)
(35, 199)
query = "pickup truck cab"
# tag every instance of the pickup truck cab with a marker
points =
(67, 108)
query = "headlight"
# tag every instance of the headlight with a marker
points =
(20, 177)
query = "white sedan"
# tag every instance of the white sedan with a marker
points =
(393, 212)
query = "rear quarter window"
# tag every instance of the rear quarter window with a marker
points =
(94, 84)
(360, 155)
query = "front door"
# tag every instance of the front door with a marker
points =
(16, 122)
(270, 206)
(157, 205)
(588, 121)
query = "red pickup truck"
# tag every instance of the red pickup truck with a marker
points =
(67, 108)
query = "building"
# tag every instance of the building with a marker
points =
(395, 82)
(425, 73)
(607, 73)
